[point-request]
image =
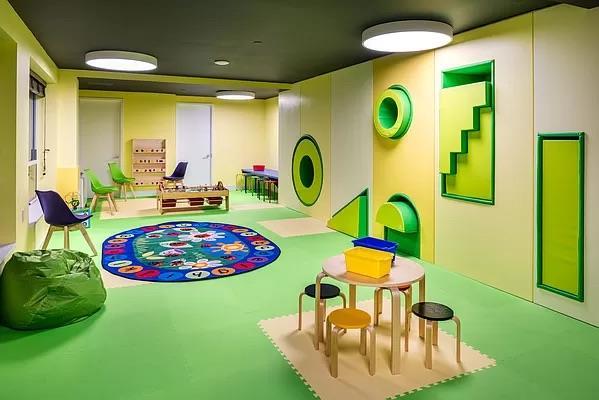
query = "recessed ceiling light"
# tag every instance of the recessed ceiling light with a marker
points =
(235, 95)
(222, 62)
(404, 36)
(121, 60)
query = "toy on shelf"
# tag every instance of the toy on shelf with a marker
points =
(190, 198)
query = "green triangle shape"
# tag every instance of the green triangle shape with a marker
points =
(352, 219)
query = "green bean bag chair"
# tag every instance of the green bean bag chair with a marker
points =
(49, 288)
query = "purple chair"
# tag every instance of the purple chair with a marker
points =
(60, 218)
(178, 174)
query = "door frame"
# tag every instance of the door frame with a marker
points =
(211, 146)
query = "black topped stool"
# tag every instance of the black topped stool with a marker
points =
(327, 291)
(433, 313)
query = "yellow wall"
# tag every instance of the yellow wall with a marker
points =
(271, 121)
(494, 244)
(238, 129)
(407, 165)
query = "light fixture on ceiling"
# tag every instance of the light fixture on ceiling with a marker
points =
(117, 60)
(235, 95)
(222, 63)
(405, 36)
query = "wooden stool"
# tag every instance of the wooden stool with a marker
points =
(432, 313)
(327, 291)
(378, 309)
(349, 318)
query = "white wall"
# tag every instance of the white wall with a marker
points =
(351, 134)
(566, 54)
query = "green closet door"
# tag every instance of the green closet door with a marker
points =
(560, 219)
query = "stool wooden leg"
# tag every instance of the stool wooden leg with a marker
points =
(317, 316)
(48, 237)
(343, 299)
(363, 341)
(299, 318)
(435, 333)
(334, 352)
(458, 337)
(372, 354)
(327, 347)
(323, 315)
(67, 244)
(428, 345)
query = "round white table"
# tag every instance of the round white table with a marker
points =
(404, 272)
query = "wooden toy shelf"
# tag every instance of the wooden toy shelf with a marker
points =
(148, 159)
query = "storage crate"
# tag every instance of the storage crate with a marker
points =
(368, 262)
(259, 167)
(376, 244)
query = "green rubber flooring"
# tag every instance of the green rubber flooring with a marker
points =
(200, 340)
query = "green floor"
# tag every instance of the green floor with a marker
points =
(200, 340)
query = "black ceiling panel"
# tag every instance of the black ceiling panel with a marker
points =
(298, 38)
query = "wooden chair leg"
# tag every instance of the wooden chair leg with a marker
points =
(363, 341)
(299, 319)
(113, 202)
(94, 201)
(428, 345)
(372, 354)
(48, 237)
(67, 244)
(435, 333)
(458, 338)
(124, 189)
(87, 239)
(334, 360)
(327, 347)
(132, 190)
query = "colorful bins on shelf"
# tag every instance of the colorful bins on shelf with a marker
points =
(369, 262)
(259, 167)
(376, 244)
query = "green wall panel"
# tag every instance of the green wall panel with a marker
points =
(560, 219)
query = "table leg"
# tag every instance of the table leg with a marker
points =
(421, 298)
(317, 311)
(245, 183)
(352, 296)
(395, 330)
(227, 202)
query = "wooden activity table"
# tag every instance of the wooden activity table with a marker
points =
(194, 196)
(404, 272)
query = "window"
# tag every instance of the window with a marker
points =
(37, 91)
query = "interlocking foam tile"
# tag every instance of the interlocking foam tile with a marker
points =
(296, 226)
(354, 381)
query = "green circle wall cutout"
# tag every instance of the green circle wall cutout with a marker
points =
(306, 170)
(393, 112)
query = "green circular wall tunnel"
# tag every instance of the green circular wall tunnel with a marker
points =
(307, 170)
(393, 112)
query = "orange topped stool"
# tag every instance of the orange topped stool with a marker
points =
(349, 318)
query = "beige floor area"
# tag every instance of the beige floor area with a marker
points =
(296, 226)
(354, 382)
(112, 281)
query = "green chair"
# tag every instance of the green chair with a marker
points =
(100, 191)
(121, 180)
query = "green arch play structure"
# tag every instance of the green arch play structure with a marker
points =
(307, 170)
(402, 224)
(393, 112)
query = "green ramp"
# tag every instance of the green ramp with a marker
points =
(352, 219)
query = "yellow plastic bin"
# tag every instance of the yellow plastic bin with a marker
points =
(368, 262)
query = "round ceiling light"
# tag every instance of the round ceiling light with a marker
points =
(222, 62)
(405, 36)
(117, 60)
(235, 95)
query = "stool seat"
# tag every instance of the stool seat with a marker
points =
(327, 291)
(350, 318)
(432, 311)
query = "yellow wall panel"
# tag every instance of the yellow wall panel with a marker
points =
(408, 165)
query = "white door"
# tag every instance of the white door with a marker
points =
(194, 141)
(99, 135)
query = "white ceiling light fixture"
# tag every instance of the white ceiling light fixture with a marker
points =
(117, 60)
(222, 63)
(406, 36)
(235, 95)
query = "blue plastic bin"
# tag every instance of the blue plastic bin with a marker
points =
(377, 244)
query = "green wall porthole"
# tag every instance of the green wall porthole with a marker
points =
(307, 170)
(393, 112)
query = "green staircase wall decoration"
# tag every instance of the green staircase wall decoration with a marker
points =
(352, 219)
(467, 134)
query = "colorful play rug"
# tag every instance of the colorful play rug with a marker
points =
(186, 251)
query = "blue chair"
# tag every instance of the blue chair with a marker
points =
(178, 174)
(60, 218)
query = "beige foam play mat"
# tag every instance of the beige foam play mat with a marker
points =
(354, 382)
(289, 227)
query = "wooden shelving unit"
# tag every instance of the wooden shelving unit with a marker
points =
(148, 161)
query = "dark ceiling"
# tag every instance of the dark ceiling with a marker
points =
(298, 38)
(181, 89)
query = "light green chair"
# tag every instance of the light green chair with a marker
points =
(121, 180)
(100, 191)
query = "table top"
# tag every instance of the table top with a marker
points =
(269, 173)
(404, 272)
